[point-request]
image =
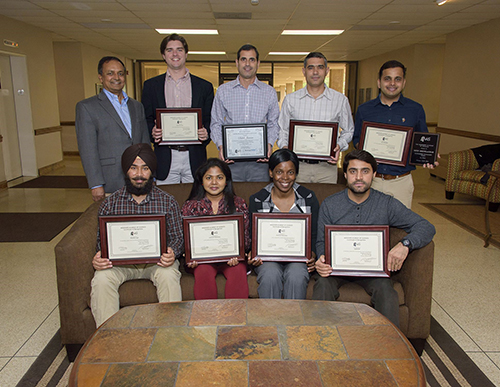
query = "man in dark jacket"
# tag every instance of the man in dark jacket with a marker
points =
(177, 88)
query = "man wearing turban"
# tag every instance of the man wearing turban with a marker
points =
(138, 196)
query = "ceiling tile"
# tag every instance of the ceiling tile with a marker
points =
(366, 23)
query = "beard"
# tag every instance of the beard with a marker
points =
(358, 190)
(139, 191)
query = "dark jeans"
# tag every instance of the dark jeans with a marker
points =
(384, 297)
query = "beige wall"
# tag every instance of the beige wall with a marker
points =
(36, 45)
(470, 93)
(69, 76)
(423, 78)
(2, 165)
(50, 141)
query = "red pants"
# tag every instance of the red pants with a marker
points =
(205, 287)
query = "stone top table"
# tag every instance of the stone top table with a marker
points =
(254, 342)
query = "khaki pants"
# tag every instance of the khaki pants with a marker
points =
(104, 296)
(180, 169)
(317, 173)
(401, 188)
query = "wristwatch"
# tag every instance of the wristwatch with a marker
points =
(407, 243)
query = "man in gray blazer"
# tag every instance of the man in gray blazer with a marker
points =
(106, 125)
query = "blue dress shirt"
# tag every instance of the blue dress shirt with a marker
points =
(121, 109)
(404, 112)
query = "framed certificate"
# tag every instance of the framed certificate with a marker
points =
(244, 142)
(357, 251)
(179, 126)
(133, 239)
(424, 148)
(210, 239)
(389, 144)
(313, 140)
(281, 237)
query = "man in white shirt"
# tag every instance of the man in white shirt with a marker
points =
(246, 100)
(317, 102)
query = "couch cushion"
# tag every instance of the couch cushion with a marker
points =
(143, 291)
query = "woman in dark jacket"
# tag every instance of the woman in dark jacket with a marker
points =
(284, 195)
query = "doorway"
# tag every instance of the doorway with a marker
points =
(8, 122)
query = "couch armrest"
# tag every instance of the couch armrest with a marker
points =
(457, 162)
(416, 279)
(496, 165)
(74, 273)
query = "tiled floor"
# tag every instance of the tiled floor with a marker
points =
(466, 298)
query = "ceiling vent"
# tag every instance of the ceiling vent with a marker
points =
(233, 15)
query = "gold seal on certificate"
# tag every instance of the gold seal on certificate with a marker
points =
(210, 239)
(133, 239)
(313, 140)
(281, 237)
(357, 251)
(389, 144)
(244, 141)
(179, 126)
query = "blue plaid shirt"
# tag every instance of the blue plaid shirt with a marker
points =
(233, 104)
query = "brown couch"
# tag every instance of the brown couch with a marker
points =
(74, 273)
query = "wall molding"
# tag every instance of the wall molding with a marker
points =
(3, 185)
(67, 123)
(52, 129)
(71, 153)
(49, 168)
(464, 133)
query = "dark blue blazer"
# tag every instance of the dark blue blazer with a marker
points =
(153, 97)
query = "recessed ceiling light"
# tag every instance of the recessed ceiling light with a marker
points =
(394, 22)
(312, 32)
(207, 52)
(288, 53)
(187, 32)
(440, 2)
(81, 6)
(106, 20)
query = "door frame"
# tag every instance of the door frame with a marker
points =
(22, 103)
